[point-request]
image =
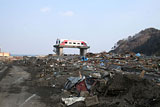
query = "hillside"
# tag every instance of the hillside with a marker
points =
(146, 41)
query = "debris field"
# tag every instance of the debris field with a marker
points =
(95, 80)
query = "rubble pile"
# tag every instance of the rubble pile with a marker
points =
(1, 65)
(98, 80)
(131, 90)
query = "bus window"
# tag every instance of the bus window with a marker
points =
(65, 42)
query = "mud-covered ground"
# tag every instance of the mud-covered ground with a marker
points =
(14, 91)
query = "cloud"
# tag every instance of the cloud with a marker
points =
(45, 9)
(67, 13)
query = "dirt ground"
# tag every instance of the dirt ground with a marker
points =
(13, 92)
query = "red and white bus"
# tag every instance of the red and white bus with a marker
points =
(66, 42)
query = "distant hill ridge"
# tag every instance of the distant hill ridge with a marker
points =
(146, 41)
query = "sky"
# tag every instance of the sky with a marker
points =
(32, 26)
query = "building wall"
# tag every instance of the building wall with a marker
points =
(4, 54)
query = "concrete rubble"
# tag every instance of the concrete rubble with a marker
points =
(98, 80)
